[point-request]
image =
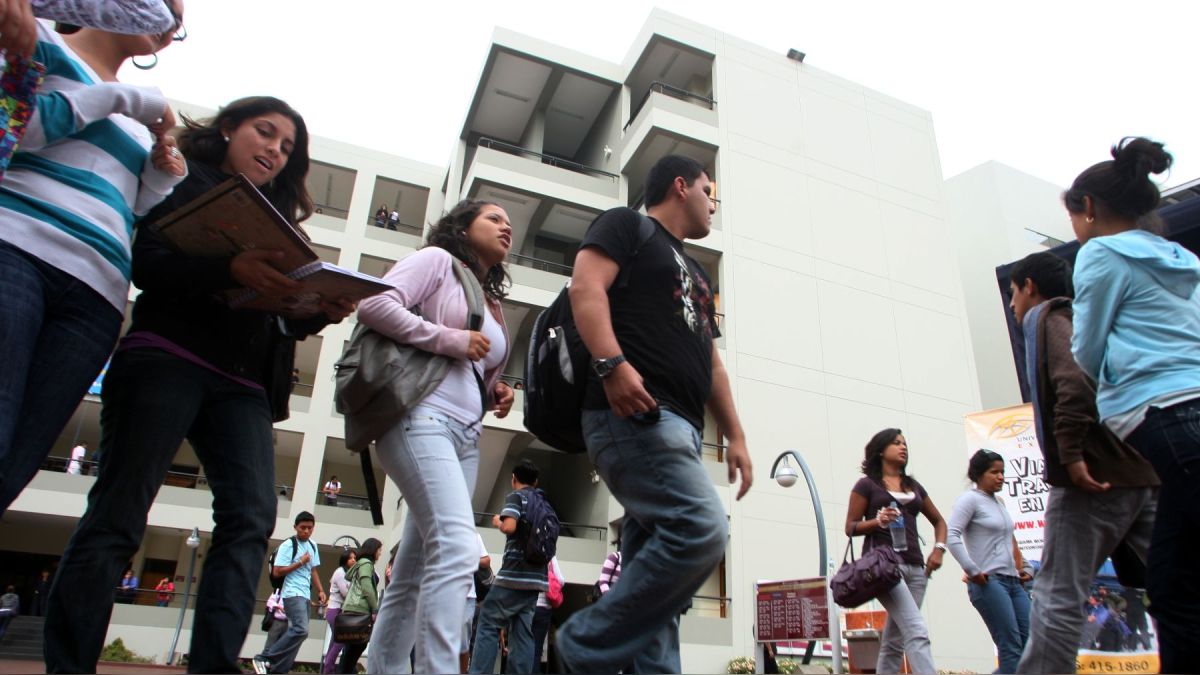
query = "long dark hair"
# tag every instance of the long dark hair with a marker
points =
(369, 548)
(872, 464)
(450, 233)
(204, 141)
(1122, 185)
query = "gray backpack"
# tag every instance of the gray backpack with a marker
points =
(377, 380)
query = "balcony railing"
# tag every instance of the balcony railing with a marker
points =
(398, 227)
(539, 264)
(546, 159)
(575, 530)
(149, 597)
(345, 501)
(330, 210)
(673, 92)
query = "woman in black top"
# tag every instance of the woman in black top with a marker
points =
(870, 514)
(191, 367)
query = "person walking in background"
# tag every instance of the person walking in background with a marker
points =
(610, 571)
(78, 454)
(299, 577)
(41, 592)
(10, 608)
(1102, 492)
(190, 367)
(980, 537)
(1137, 333)
(333, 487)
(166, 592)
(95, 156)
(484, 578)
(337, 594)
(542, 613)
(655, 371)
(510, 605)
(887, 491)
(362, 596)
(432, 451)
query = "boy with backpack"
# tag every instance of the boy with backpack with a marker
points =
(532, 529)
(298, 576)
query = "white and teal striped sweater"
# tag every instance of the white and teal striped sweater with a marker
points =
(82, 173)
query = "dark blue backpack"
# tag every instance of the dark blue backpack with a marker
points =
(541, 527)
(556, 367)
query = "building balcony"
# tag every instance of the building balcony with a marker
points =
(510, 166)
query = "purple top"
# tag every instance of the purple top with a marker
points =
(877, 498)
(148, 340)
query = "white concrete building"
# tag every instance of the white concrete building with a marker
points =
(839, 283)
(999, 215)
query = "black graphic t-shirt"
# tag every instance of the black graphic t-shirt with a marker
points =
(663, 317)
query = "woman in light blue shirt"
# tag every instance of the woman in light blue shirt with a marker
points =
(1137, 332)
(980, 538)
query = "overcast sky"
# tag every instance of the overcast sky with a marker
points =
(1043, 86)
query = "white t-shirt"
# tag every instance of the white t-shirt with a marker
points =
(482, 554)
(338, 587)
(458, 395)
(75, 466)
(333, 485)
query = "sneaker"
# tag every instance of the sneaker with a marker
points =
(261, 665)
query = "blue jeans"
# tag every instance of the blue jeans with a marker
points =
(1004, 606)
(433, 459)
(152, 401)
(1169, 439)
(55, 334)
(674, 534)
(510, 609)
(282, 654)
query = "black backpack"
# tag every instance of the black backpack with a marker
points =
(556, 367)
(277, 582)
(541, 527)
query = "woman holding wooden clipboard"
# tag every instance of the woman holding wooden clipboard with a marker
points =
(192, 367)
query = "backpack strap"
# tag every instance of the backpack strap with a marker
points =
(646, 230)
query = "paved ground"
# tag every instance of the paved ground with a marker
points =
(14, 667)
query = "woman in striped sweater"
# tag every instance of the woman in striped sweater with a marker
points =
(95, 156)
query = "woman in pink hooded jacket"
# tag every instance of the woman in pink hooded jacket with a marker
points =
(432, 452)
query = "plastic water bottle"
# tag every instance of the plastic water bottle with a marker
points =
(899, 536)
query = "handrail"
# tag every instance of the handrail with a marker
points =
(672, 91)
(492, 143)
(544, 265)
(360, 502)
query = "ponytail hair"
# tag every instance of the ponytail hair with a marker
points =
(1122, 186)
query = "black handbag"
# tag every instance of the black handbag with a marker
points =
(352, 628)
(872, 575)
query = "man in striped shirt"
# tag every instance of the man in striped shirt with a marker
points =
(511, 602)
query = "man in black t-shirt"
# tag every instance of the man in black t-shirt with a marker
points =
(655, 370)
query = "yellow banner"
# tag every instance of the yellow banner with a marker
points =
(1011, 432)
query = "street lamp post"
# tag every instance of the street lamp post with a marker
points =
(786, 477)
(193, 542)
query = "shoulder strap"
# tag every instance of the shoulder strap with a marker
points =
(476, 306)
(364, 460)
(646, 230)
